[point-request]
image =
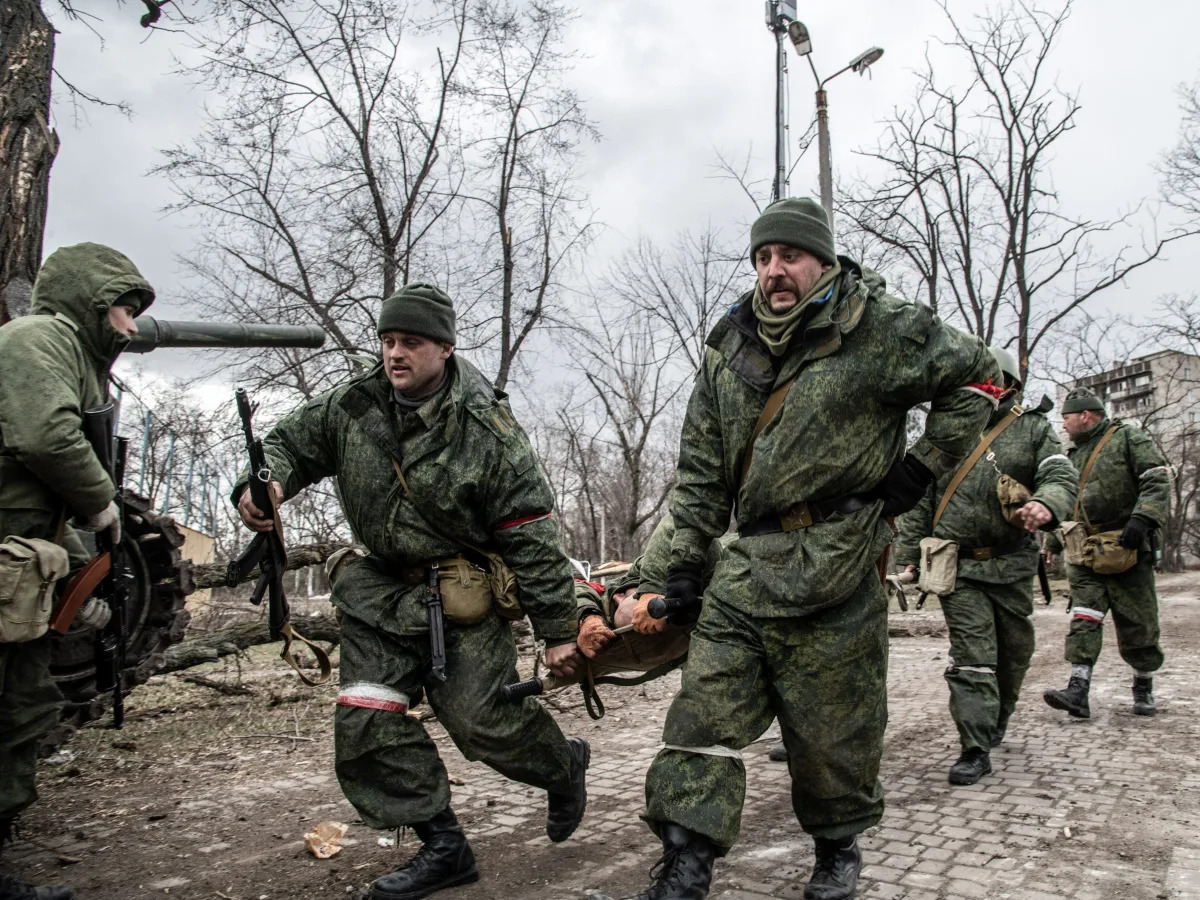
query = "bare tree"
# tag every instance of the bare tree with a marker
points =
(1180, 167)
(340, 166)
(967, 210)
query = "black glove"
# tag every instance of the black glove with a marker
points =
(904, 485)
(685, 586)
(1133, 535)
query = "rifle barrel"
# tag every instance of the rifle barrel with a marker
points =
(155, 333)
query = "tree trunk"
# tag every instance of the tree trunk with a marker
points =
(214, 644)
(27, 148)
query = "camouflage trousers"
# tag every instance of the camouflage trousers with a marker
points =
(824, 676)
(30, 703)
(991, 644)
(1131, 598)
(387, 764)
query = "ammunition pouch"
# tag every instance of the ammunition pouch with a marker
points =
(939, 566)
(1100, 551)
(29, 569)
(1012, 496)
(469, 590)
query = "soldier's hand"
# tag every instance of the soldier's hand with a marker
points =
(909, 574)
(594, 636)
(1034, 515)
(95, 613)
(253, 517)
(643, 622)
(564, 660)
(108, 519)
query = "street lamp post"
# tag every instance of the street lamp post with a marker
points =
(801, 40)
(780, 13)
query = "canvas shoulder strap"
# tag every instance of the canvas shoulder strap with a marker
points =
(1087, 470)
(421, 512)
(768, 413)
(969, 462)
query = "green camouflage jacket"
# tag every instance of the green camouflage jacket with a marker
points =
(470, 469)
(1130, 476)
(860, 365)
(54, 365)
(1026, 450)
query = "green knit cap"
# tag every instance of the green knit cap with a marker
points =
(1080, 399)
(798, 222)
(419, 309)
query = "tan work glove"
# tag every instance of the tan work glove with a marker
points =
(108, 519)
(594, 636)
(95, 613)
(643, 622)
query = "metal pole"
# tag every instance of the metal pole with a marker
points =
(781, 179)
(187, 497)
(142, 458)
(167, 476)
(824, 154)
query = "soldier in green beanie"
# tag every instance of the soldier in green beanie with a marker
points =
(1124, 490)
(433, 470)
(797, 427)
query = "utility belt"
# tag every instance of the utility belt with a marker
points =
(805, 514)
(981, 554)
(1114, 525)
(471, 584)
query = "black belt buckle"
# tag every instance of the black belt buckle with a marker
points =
(982, 554)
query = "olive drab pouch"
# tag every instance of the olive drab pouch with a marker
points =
(466, 591)
(504, 589)
(1074, 540)
(1012, 496)
(29, 569)
(939, 566)
(1104, 554)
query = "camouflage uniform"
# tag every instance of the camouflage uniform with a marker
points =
(470, 470)
(54, 364)
(794, 623)
(988, 615)
(1130, 477)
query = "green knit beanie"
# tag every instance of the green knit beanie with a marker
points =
(419, 309)
(798, 222)
(1080, 399)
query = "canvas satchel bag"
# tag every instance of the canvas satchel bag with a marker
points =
(1073, 536)
(29, 570)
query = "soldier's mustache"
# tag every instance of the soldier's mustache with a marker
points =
(782, 283)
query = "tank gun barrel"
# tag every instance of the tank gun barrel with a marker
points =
(155, 333)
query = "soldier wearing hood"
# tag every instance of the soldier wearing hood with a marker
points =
(54, 365)
(989, 612)
(796, 427)
(1125, 493)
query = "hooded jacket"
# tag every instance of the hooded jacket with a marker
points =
(54, 364)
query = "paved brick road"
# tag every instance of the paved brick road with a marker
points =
(1092, 810)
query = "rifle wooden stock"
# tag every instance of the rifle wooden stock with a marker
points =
(77, 591)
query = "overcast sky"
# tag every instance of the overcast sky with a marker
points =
(669, 84)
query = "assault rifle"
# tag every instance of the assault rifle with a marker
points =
(108, 575)
(267, 552)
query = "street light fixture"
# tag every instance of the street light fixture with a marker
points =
(780, 16)
(802, 42)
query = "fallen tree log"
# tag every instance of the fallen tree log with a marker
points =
(211, 645)
(212, 575)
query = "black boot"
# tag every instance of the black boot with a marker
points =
(1074, 699)
(998, 734)
(685, 870)
(1143, 695)
(972, 765)
(444, 860)
(835, 874)
(777, 752)
(565, 811)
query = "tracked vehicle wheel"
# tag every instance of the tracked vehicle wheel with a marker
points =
(154, 620)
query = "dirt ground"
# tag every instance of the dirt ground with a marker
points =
(207, 795)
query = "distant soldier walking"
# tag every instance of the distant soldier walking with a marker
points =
(440, 484)
(1123, 495)
(54, 366)
(995, 560)
(797, 426)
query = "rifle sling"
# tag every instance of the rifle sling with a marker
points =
(1087, 470)
(286, 632)
(969, 462)
(770, 408)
